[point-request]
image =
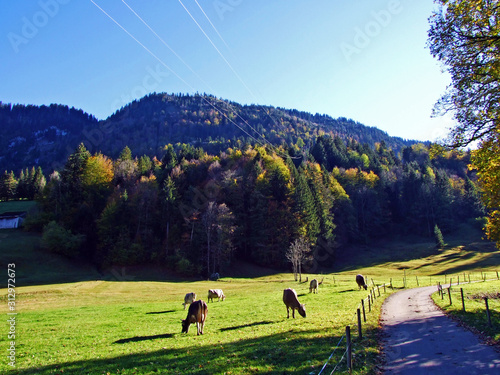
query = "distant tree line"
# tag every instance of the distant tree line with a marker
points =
(27, 185)
(195, 212)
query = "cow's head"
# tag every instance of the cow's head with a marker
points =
(185, 326)
(302, 310)
(365, 286)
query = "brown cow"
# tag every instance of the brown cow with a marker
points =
(313, 286)
(216, 293)
(197, 313)
(361, 282)
(292, 302)
(189, 298)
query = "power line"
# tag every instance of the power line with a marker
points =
(173, 72)
(189, 67)
(220, 36)
(166, 45)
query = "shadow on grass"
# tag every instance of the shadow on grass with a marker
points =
(161, 312)
(247, 325)
(289, 352)
(144, 338)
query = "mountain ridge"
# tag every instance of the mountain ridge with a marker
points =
(46, 135)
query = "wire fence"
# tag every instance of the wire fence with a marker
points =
(361, 305)
(410, 279)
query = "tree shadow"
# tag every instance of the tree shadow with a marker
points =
(161, 312)
(246, 325)
(144, 338)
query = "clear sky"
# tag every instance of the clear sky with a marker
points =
(361, 59)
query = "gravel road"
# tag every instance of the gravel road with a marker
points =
(419, 339)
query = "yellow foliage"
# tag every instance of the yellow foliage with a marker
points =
(98, 171)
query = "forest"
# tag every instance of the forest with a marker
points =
(195, 212)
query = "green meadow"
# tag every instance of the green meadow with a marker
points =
(474, 317)
(74, 320)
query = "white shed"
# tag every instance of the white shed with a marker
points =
(11, 219)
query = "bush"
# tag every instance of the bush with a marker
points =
(61, 241)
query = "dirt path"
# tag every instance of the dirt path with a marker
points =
(419, 339)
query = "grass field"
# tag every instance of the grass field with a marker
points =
(74, 320)
(16, 206)
(475, 316)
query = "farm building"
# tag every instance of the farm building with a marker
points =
(11, 219)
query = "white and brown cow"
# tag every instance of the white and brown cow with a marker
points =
(360, 280)
(197, 313)
(189, 298)
(216, 293)
(291, 301)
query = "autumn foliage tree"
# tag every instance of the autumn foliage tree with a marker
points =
(465, 37)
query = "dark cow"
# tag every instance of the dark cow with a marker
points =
(197, 313)
(292, 302)
(360, 280)
(313, 286)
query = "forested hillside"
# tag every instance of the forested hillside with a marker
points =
(195, 212)
(193, 182)
(45, 136)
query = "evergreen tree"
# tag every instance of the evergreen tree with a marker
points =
(8, 186)
(438, 236)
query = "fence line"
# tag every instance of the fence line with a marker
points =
(354, 316)
(372, 296)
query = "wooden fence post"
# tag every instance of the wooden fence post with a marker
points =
(463, 301)
(391, 284)
(417, 280)
(384, 288)
(498, 278)
(369, 304)
(378, 290)
(449, 295)
(487, 311)
(349, 348)
(469, 278)
(404, 279)
(364, 313)
(360, 330)
(458, 283)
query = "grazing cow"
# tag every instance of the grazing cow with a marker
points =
(197, 313)
(189, 298)
(361, 281)
(313, 286)
(292, 302)
(216, 293)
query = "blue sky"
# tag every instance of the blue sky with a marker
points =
(360, 59)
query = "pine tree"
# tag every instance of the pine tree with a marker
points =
(438, 236)
(8, 186)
